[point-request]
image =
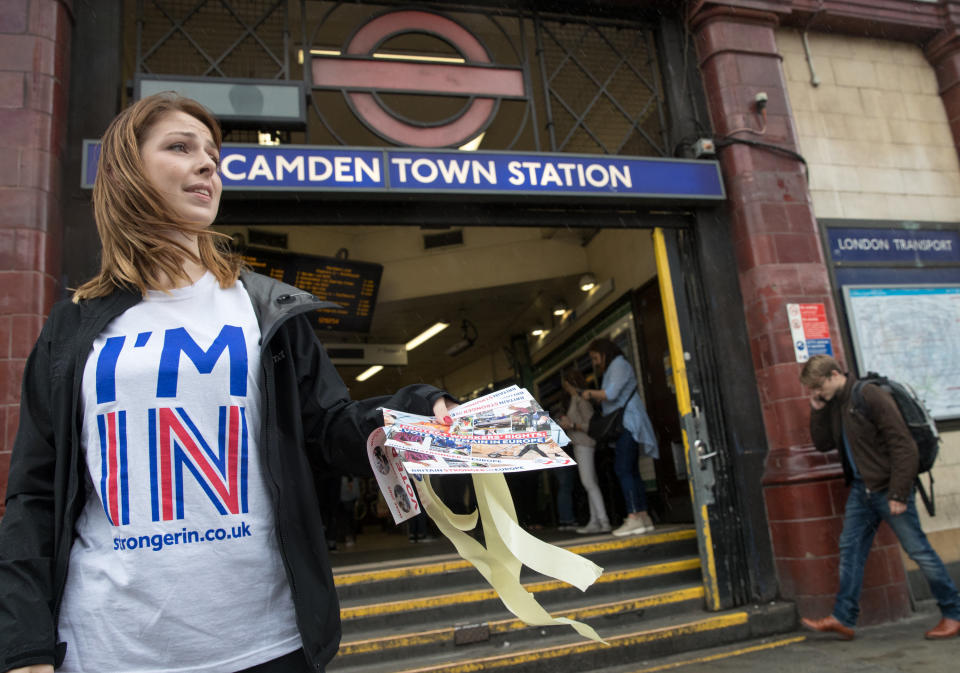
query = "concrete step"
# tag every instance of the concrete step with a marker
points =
(415, 639)
(475, 600)
(561, 650)
(433, 573)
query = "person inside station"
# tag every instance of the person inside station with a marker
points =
(619, 390)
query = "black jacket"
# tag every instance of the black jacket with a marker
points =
(882, 446)
(303, 398)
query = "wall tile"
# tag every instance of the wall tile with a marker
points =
(926, 80)
(826, 204)
(907, 132)
(11, 372)
(24, 292)
(838, 100)
(806, 539)
(925, 108)
(24, 332)
(6, 331)
(13, 16)
(854, 73)
(798, 502)
(11, 89)
(887, 104)
(27, 53)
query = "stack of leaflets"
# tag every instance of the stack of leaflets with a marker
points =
(505, 431)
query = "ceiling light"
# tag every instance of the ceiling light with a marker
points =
(587, 282)
(426, 334)
(538, 330)
(560, 308)
(369, 372)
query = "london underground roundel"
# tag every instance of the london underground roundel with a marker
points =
(360, 75)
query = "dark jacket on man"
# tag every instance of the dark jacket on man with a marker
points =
(882, 447)
(303, 397)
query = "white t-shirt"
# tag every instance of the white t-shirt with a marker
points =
(176, 566)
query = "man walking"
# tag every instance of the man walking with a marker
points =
(880, 461)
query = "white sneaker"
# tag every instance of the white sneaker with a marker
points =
(595, 527)
(632, 525)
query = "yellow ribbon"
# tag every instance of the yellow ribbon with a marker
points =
(508, 549)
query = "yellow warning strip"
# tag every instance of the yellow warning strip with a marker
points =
(635, 541)
(519, 658)
(507, 625)
(723, 655)
(617, 544)
(477, 595)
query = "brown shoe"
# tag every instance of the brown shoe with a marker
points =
(947, 628)
(828, 625)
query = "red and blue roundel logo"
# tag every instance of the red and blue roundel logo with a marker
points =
(360, 75)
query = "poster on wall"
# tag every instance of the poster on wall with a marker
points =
(910, 333)
(809, 330)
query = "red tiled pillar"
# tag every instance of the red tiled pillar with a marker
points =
(34, 60)
(780, 261)
(943, 52)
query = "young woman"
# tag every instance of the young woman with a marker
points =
(619, 389)
(575, 422)
(161, 514)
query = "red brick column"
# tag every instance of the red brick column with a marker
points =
(34, 62)
(943, 52)
(780, 261)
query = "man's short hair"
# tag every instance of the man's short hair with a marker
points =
(817, 369)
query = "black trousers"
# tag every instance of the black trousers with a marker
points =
(295, 662)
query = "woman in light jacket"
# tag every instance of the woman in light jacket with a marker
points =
(619, 390)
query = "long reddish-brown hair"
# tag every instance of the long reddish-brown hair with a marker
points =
(137, 227)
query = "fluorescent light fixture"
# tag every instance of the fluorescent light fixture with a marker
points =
(266, 138)
(428, 333)
(389, 56)
(587, 282)
(369, 372)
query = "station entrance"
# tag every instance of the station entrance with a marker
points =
(521, 305)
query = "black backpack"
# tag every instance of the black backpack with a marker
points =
(918, 420)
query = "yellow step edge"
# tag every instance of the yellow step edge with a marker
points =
(477, 595)
(723, 655)
(506, 625)
(616, 544)
(518, 658)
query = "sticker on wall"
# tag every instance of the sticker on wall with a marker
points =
(809, 329)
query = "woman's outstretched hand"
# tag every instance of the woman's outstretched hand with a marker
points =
(441, 411)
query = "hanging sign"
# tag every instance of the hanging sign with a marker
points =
(347, 170)
(809, 329)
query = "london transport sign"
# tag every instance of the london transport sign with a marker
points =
(346, 170)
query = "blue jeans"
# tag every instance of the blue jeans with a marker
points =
(565, 477)
(625, 455)
(865, 511)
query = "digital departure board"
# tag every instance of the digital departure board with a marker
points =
(352, 285)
